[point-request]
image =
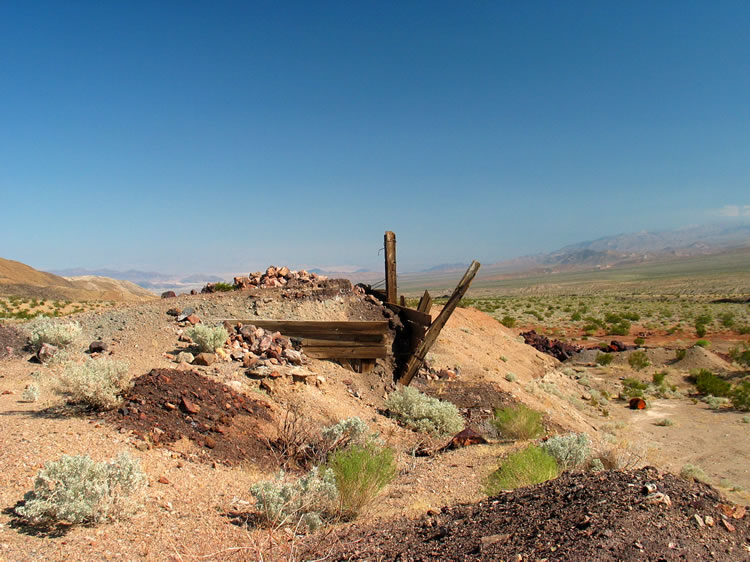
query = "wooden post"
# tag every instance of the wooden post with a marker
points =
(425, 303)
(416, 360)
(391, 289)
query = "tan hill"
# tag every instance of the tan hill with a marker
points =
(19, 279)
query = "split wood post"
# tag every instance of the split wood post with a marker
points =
(416, 360)
(402, 300)
(391, 289)
(425, 303)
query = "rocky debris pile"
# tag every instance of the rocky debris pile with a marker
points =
(273, 277)
(12, 341)
(614, 347)
(260, 347)
(167, 405)
(558, 349)
(610, 515)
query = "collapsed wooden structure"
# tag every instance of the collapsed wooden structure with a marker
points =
(358, 344)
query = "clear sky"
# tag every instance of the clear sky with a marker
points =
(225, 136)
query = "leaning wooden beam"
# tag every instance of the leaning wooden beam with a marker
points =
(376, 352)
(416, 360)
(391, 289)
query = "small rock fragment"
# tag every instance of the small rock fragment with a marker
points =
(204, 359)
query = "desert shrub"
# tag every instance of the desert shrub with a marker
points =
(424, 413)
(703, 343)
(639, 341)
(622, 328)
(44, 330)
(604, 359)
(638, 360)
(727, 319)
(305, 500)
(633, 387)
(658, 378)
(570, 451)
(531, 465)
(746, 419)
(715, 402)
(740, 396)
(508, 321)
(518, 422)
(693, 472)
(77, 489)
(665, 422)
(576, 316)
(30, 393)
(361, 471)
(741, 356)
(510, 377)
(97, 383)
(223, 287)
(347, 431)
(708, 383)
(617, 454)
(743, 330)
(596, 465)
(679, 354)
(208, 339)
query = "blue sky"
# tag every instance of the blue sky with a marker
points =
(225, 136)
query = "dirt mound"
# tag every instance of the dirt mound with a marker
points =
(696, 357)
(603, 516)
(167, 405)
(12, 341)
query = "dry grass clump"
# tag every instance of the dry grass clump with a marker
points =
(97, 383)
(76, 489)
(424, 413)
(518, 422)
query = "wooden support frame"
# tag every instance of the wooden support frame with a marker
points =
(391, 282)
(416, 360)
(425, 303)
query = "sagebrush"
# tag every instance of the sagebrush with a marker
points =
(424, 413)
(571, 451)
(59, 334)
(76, 489)
(518, 422)
(531, 465)
(97, 383)
(207, 338)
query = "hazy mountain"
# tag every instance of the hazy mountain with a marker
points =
(147, 279)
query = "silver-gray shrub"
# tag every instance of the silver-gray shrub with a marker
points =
(208, 338)
(97, 383)
(570, 450)
(76, 489)
(60, 334)
(305, 501)
(424, 413)
(347, 431)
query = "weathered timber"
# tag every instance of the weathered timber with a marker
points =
(402, 300)
(318, 329)
(374, 352)
(346, 341)
(425, 303)
(411, 314)
(391, 288)
(413, 364)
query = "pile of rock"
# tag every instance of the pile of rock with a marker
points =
(273, 277)
(556, 348)
(257, 346)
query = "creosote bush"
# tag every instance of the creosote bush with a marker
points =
(518, 422)
(45, 330)
(708, 383)
(76, 489)
(208, 339)
(361, 471)
(740, 396)
(638, 360)
(97, 383)
(604, 359)
(680, 354)
(424, 413)
(571, 451)
(531, 465)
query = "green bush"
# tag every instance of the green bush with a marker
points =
(569, 451)
(741, 356)
(424, 413)
(604, 359)
(208, 339)
(633, 387)
(518, 422)
(508, 321)
(223, 287)
(75, 489)
(708, 383)
(658, 378)
(679, 354)
(97, 383)
(715, 402)
(727, 319)
(622, 328)
(700, 330)
(576, 316)
(638, 360)
(45, 330)
(740, 396)
(703, 343)
(639, 341)
(361, 471)
(531, 465)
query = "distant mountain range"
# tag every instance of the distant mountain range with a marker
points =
(147, 279)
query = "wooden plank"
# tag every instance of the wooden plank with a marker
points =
(375, 352)
(402, 300)
(425, 303)
(412, 314)
(318, 329)
(391, 289)
(315, 342)
(416, 360)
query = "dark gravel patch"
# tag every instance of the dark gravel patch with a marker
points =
(12, 341)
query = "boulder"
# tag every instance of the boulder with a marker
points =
(184, 357)
(169, 295)
(46, 352)
(204, 359)
(98, 346)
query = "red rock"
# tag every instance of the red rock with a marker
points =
(727, 525)
(210, 442)
(193, 319)
(465, 438)
(284, 272)
(204, 359)
(168, 295)
(163, 480)
(5, 392)
(174, 312)
(249, 360)
(274, 375)
(189, 407)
